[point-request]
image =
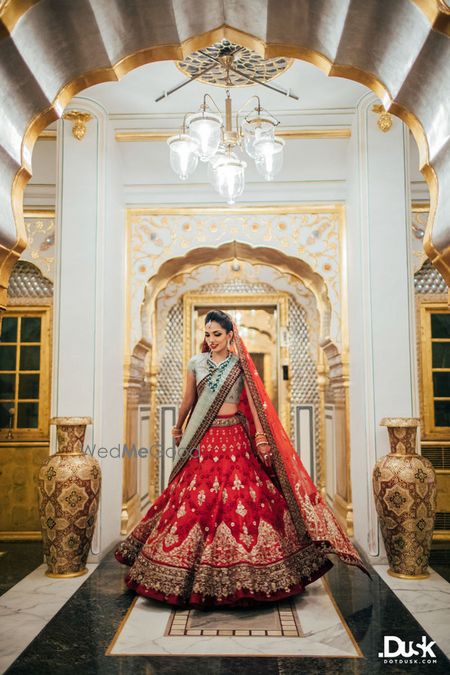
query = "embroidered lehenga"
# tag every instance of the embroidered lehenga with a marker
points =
(228, 530)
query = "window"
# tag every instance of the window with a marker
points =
(24, 373)
(436, 369)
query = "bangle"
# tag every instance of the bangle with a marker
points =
(260, 433)
(261, 443)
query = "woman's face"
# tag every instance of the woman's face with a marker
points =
(217, 337)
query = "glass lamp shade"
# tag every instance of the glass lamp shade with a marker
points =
(269, 156)
(221, 155)
(229, 176)
(183, 155)
(254, 130)
(205, 128)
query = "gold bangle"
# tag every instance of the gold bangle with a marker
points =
(261, 443)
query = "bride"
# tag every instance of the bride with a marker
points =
(240, 522)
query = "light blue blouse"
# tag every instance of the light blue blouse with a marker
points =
(198, 365)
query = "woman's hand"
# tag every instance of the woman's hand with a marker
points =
(177, 434)
(265, 454)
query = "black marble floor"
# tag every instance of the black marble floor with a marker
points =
(440, 559)
(76, 639)
(17, 559)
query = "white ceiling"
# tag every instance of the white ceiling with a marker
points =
(135, 94)
(130, 103)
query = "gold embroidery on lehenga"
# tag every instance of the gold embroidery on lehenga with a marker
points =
(270, 486)
(216, 485)
(201, 497)
(224, 495)
(237, 483)
(275, 562)
(245, 536)
(240, 509)
(171, 537)
(191, 485)
(258, 480)
(252, 493)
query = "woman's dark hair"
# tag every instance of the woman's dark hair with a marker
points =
(222, 318)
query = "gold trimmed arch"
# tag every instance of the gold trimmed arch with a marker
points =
(13, 10)
(210, 255)
(332, 364)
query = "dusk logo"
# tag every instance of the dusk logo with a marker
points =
(396, 650)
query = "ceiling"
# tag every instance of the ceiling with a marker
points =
(130, 103)
(135, 94)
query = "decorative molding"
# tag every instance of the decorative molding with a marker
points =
(384, 118)
(132, 135)
(310, 233)
(40, 251)
(47, 135)
(79, 122)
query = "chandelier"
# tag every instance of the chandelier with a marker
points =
(206, 138)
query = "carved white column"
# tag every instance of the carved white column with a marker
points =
(89, 317)
(382, 368)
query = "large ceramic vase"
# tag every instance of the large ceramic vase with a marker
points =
(404, 485)
(69, 493)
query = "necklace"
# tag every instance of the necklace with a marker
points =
(216, 371)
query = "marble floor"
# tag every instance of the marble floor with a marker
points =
(309, 625)
(95, 624)
(428, 600)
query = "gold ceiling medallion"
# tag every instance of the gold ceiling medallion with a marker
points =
(384, 118)
(233, 66)
(79, 120)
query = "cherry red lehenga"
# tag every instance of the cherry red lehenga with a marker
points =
(227, 530)
(221, 533)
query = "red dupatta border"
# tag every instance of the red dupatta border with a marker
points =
(312, 517)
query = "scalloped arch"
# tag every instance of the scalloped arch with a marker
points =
(395, 47)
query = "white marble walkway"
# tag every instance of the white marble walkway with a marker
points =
(428, 600)
(145, 629)
(28, 606)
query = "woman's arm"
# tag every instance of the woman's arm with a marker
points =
(258, 426)
(262, 448)
(186, 404)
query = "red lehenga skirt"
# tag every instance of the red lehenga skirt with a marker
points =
(221, 533)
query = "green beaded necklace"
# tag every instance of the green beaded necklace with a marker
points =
(215, 371)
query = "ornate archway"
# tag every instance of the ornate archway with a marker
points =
(104, 43)
(142, 373)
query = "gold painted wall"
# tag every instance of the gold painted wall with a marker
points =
(19, 468)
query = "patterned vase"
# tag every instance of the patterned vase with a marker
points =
(404, 485)
(69, 493)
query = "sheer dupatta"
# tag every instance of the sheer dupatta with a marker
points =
(311, 515)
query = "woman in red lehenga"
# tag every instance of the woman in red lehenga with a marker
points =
(240, 522)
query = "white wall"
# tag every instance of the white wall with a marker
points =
(383, 378)
(88, 303)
